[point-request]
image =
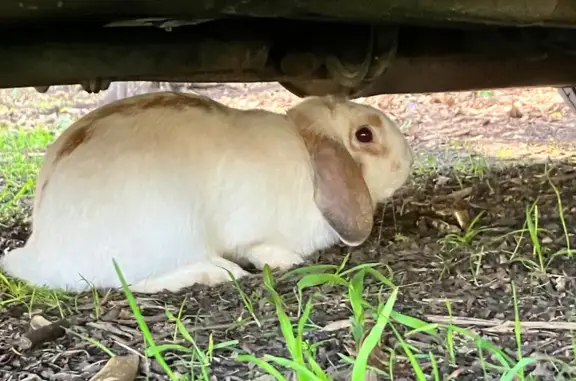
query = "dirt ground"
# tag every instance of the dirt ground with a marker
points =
(464, 142)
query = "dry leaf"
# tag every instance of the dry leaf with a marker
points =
(463, 218)
(119, 368)
(556, 115)
(38, 321)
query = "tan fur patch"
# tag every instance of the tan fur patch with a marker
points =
(301, 121)
(377, 150)
(374, 121)
(74, 140)
(43, 188)
(179, 102)
(330, 102)
(42, 191)
(164, 100)
(133, 106)
(395, 166)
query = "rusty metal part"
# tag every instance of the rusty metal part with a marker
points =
(435, 61)
(96, 57)
(95, 85)
(407, 59)
(208, 52)
(438, 74)
(350, 71)
(42, 89)
(381, 48)
(300, 63)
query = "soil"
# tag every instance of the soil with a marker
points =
(479, 279)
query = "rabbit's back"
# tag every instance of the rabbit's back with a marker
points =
(154, 186)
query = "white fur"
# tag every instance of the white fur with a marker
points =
(174, 195)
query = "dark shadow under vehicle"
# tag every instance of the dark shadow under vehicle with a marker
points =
(350, 47)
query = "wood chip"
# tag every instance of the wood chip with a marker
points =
(119, 368)
(38, 321)
(337, 325)
(46, 333)
(501, 325)
(460, 194)
(371, 375)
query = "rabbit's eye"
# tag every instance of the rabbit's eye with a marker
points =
(364, 135)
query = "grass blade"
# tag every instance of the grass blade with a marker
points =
(373, 338)
(264, 365)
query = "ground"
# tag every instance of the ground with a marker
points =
(468, 274)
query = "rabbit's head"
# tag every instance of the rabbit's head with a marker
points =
(359, 158)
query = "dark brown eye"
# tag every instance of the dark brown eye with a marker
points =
(364, 135)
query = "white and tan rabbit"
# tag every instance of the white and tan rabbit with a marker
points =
(179, 188)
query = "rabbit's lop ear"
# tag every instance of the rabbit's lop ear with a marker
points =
(340, 191)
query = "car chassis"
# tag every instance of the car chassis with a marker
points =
(356, 48)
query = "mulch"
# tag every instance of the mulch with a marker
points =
(476, 279)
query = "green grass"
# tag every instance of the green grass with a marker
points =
(21, 153)
(369, 322)
(466, 236)
(373, 316)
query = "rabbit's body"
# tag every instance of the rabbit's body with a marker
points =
(175, 193)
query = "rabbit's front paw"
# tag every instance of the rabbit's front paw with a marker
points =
(209, 273)
(276, 257)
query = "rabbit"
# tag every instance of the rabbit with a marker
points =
(180, 189)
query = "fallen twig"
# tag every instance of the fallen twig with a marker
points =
(498, 326)
(119, 368)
